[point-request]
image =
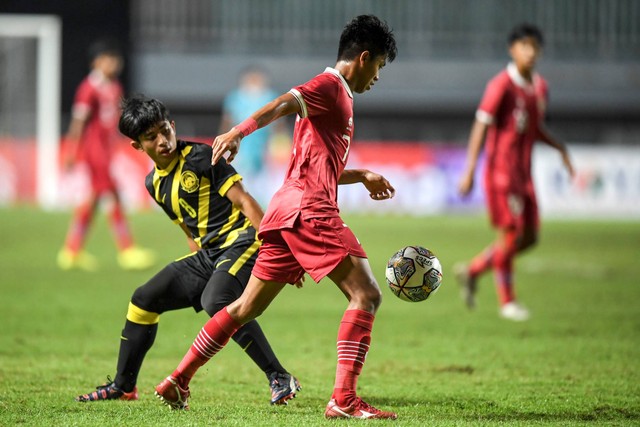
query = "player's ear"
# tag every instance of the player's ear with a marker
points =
(136, 145)
(364, 56)
(173, 125)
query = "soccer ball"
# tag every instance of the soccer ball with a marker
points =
(413, 273)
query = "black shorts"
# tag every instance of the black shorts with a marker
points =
(182, 283)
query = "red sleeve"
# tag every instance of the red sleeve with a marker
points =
(317, 96)
(491, 100)
(83, 101)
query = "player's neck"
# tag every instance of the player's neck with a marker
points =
(346, 68)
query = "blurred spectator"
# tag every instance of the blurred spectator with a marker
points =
(253, 91)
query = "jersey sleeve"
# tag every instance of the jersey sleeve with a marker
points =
(223, 177)
(317, 96)
(151, 189)
(491, 100)
(83, 101)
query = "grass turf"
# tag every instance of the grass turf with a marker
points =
(575, 362)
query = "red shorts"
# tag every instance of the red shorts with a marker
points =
(100, 172)
(513, 210)
(315, 245)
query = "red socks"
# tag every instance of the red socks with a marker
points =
(120, 228)
(482, 262)
(212, 338)
(78, 228)
(503, 267)
(354, 337)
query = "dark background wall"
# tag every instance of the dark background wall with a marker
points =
(82, 23)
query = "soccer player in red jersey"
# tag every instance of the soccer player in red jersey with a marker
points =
(508, 121)
(218, 216)
(92, 134)
(302, 230)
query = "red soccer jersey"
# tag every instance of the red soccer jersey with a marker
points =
(513, 108)
(321, 140)
(98, 100)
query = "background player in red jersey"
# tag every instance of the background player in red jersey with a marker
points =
(92, 135)
(302, 230)
(509, 120)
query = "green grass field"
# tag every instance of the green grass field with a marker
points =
(577, 361)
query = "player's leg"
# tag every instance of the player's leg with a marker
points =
(224, 288)
(328, 247)
(531, 223)
(213, 336)
(468, 274)
(161, 293)
(130, 256)
(72, 256)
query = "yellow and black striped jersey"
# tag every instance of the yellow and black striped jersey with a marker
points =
(192, 191)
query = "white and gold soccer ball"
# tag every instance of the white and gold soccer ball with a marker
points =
(414, 273)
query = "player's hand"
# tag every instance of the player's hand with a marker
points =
(567, 164)
(300, 282)
(228, 142)
(466, 184)
(378, 186)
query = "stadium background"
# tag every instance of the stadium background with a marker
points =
(412, 127)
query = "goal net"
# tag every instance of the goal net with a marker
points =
(30, 50)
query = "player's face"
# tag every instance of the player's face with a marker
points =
(109, 65)
(525, 53)
(159, 142)
(370, 72)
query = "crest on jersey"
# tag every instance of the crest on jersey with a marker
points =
(189, 181)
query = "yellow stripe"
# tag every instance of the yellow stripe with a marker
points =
(175, 184)
(228, 183)
(142, 317)
(244, 257)
(233, 235)
(203, 206)
(187, 256)
(233, 218)
(156, 185)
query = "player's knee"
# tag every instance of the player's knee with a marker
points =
(368, 297)
(244, 311)
(212, 307)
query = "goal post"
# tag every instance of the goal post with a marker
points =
(46, 30)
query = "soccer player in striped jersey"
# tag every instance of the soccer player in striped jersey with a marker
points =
(302, 229)
(220, 220)
(510, 119)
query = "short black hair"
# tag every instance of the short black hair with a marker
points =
(524, 30)
(139, 113)
(105, 46)
(367, 32)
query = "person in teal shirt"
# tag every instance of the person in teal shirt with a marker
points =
(253, 92)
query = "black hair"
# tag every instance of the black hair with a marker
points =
(524, 30)
(104, 46)
(367, 32)
(139, 113)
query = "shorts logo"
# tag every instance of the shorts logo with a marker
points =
(189, 181)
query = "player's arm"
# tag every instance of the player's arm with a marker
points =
(230, 142)
(476, 141)
(378, 186)
(246, 203)
(548, 139)
(74, 133)
(192, 243)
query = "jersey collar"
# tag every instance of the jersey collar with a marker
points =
(517, 78)
(344, 82)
